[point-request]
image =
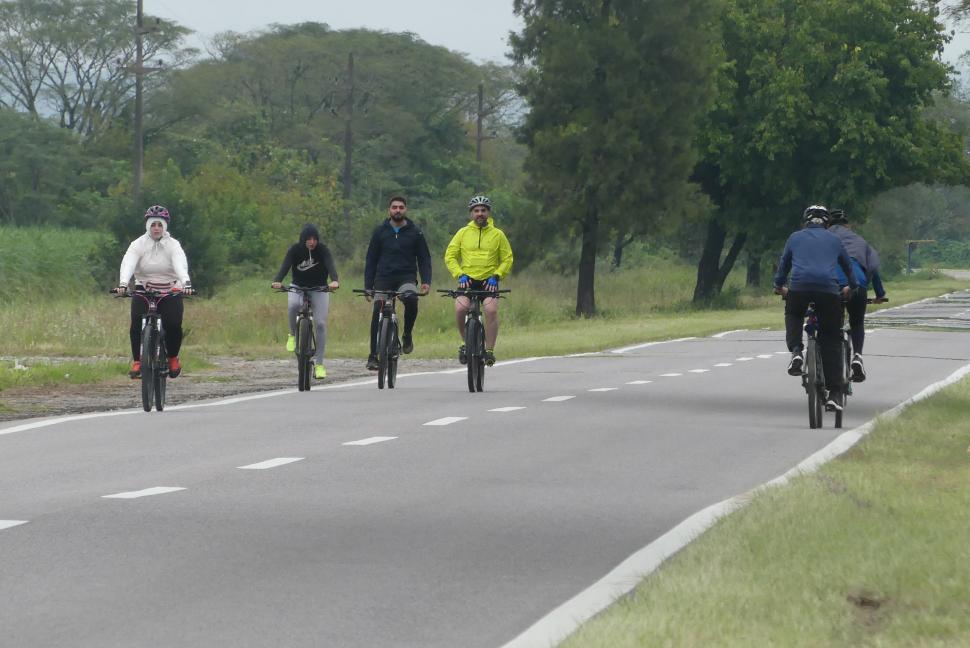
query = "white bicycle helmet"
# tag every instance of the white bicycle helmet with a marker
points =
(480, 200)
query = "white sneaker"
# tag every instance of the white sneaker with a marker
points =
(858, 370)
(796, 364)
(834, 402)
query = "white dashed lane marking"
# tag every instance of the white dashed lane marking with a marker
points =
(603, 389)
(671, 375)
(448, 420)
(557, 399)
(9, 524)
(744, 359)
(724, 364)
(639, 382)
(699, 370)
(157, 490)
(271, 463)
(369, 441)
(766, 356)
(506, 409)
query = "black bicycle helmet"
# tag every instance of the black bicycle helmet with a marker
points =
(837, 217)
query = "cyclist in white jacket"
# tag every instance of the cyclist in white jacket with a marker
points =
(158, 263)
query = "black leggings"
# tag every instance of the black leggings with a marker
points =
(170, 308)
(828, 308)
(856, 308)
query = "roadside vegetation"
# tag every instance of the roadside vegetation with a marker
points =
(869, 551)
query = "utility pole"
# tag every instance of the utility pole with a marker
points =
(481, 116)
(348, 138)
(139, 103)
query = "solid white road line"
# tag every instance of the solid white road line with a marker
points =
(551, 629)
(9, 524)
(698, 371)
(369, 441)
(637, 347)
(506, 409)
(271, 463)
(157, 490)
(448, 420)
(557, 399)
(721, 335)
(724, 364)
(639, 382)
(671, 375)
(603, 389)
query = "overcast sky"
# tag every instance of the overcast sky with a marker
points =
(478, 28)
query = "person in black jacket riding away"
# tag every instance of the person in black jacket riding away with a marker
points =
(812, 255)
(396, 251)
(865, 264)
(312, 265)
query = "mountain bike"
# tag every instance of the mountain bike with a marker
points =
(847, 353)
(813, 376)
(474, 333)
(388, 340)
(154, 354)
(306, 334)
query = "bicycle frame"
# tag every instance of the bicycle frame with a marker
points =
(388, 340)
(474, 335)
(306, 336)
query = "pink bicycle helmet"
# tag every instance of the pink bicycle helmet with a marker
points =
(157, 211)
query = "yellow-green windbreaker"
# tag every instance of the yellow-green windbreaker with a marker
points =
(479, 252)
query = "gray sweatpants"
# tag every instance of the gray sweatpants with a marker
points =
(320, 302)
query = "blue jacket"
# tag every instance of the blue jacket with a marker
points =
(865, 260)
(812, 256)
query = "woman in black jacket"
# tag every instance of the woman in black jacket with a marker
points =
(312, 265)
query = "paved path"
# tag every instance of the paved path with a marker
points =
(423, 516)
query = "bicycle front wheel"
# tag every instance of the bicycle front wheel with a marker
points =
(161, 373)
(392, 357)
(147, 366)
(304, 344)
(383, 351)
(473, 351)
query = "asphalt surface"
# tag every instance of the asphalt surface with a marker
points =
(456, 534)
(950, 311)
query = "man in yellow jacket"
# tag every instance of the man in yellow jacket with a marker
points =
(479, 256)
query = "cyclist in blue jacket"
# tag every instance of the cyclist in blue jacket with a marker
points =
(865, 266)
(811, 256)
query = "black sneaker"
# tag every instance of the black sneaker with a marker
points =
(407, 345)
(489, 357)
(796, 364)
(462, 355)
(372, 363)
(834, 401)
(858, 370)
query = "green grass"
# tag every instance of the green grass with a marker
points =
(39, 374)
(869, 551)
(45, 261)
(248, 319)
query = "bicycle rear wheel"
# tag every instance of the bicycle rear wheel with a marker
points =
(147, 366)
(814, 380)
(304, 342)
(383, 351)
(392, 357)
(846, 375)
(161, 373)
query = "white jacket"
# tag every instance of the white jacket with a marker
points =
(157, 264)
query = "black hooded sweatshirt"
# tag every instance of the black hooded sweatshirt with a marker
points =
(310, 269)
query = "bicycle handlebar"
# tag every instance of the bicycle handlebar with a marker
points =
(395, 293)
(467, 292)
(188, 292)
(305, 290)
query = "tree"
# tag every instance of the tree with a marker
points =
(615, 90)
(820, 101)
(70, 58)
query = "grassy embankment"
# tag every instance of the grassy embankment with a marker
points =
(869, 551)
(52, 309)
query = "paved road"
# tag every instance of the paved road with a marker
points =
(950, 311)
(453, 533)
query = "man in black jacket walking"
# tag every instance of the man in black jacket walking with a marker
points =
(396, 254)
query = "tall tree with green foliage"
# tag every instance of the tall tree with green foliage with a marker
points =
(821, 101)
(615, 88)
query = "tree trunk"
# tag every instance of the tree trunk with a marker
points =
(753, 279)
(618, 245)
(711, 273)
(585, 295)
